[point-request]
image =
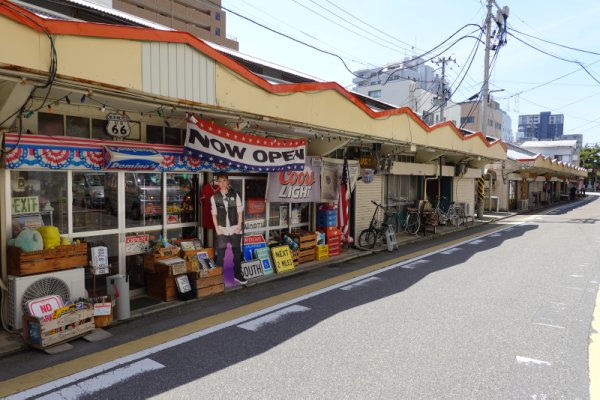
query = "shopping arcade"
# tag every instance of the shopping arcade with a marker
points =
(210, 84)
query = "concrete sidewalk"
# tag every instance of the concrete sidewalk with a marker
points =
(11, 343)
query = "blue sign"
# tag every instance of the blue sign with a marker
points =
(131, 158)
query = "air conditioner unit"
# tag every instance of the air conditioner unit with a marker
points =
(69, 284)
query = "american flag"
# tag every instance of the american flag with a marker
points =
(344, 196)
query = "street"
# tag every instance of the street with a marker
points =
(505, 315)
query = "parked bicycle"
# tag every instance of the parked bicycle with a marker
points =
(405, 219)
(455, 214)
(378, 228)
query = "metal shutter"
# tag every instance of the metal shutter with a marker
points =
(365, 192)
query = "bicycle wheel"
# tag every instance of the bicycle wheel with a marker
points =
(367, 239)
(460, 216)
(413, 223)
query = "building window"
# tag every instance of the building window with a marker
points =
(78, 127)
(51, 124)
(375, 93)
(217, 16)
(467, 120)
(154, 134)
(218, 31)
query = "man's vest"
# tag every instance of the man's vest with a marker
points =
(229, 212)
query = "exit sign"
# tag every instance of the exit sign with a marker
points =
(25, 205)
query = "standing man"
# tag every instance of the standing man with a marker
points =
(226, 210)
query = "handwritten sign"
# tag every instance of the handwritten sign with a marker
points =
(25, 205)
(137, 244)
(282, 257)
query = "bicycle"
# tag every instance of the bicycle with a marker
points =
(406, 220)
(455, 213)
(378, 228)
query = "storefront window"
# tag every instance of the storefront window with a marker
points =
(173, 136)
(143, 198)
(38, 198)
(96, 286)
(134, 255)
(182, 192)
(154, 134)
(89, 210)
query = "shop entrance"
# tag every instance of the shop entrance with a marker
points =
(137, 210)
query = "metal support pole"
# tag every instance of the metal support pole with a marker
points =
(485, 89)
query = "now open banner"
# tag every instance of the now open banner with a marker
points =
(219, 145)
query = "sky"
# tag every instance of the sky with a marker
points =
(371, 34)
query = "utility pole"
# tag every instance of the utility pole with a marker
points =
(500, 20)
(442, 95)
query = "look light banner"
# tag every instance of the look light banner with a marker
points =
(296, 186)
(217, 144)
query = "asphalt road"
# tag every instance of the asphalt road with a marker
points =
(503, 316)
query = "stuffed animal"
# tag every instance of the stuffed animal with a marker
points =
(28, 240)
(51, 236)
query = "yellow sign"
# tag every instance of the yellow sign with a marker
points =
(282, 257)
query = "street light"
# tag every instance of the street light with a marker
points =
(492, 91)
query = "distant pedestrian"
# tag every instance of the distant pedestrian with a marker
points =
(572, 192)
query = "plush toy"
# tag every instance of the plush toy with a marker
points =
(51, 236)
(28, 240)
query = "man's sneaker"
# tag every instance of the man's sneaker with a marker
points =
(240, 280)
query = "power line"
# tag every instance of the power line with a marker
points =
(351, 23)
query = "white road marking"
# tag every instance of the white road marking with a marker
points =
(361, 283)
(103, 381)
(272, 318)
(67, 380)
(571, 287)
(576, 276)
(477, 241)
(495, 235)
(415, 264)
(549, 325)
(452, 250)
(527, 360)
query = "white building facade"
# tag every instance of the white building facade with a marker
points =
(561, 150)
(411, 84)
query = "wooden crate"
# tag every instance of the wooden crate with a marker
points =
(40, 334)
(211, 290)
(22, 263)
(305, 240)
(295, 257)
(190, 258)
(161, 285)
(209, 284)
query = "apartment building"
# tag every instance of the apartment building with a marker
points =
(542, 126)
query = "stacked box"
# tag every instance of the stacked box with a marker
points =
(306, 246)
(207, 283)
(333, 239)
(327, 217)
(322, 252)
(295, 256)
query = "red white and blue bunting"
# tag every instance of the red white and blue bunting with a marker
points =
(61, 152)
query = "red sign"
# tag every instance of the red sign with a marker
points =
(251, 239)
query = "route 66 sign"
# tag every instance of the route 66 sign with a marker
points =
(118, 125)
